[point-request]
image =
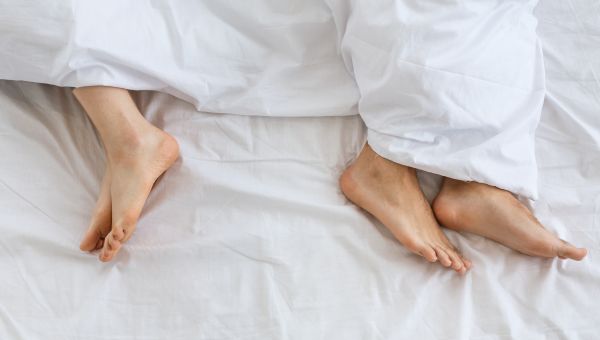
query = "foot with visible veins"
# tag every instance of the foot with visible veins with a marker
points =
(130, 175)
(391, 193)
(496, 214)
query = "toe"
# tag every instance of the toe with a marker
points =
(110, 249)
(467, 262)
(567, 250)
(113, 244)
(123, 231)
(118, 233)
(457, 263)
(93, 237)
(428, 253)
(104, 256)
(104, 253)
(107, 253)
(443, 257)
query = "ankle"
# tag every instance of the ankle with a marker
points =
(375, 164)
(129, 144)
(124, 139)
(372, 172)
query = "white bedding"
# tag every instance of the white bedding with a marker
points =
(453, 88)
(249, 237)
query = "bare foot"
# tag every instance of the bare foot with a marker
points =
(391, 193)
(496, 214)
(130, 175)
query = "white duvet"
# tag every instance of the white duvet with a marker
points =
(249, 237)
(450, 87)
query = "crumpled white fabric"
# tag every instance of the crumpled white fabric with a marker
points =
(450, 87)
(249, 237)
(267, 57)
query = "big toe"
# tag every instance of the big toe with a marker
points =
(427, 252)
(90, 240)
(567, 250)
(95, 233)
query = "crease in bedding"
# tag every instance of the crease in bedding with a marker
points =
(265, 257)
(445, 69)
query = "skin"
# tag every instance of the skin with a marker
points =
(137, 154)
(391, 193)
(497, 215)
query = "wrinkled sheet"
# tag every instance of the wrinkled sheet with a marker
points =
(450, 87)
(453, 88)
(249, 237)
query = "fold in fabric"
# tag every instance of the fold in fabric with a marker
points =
(452, 87)
(266, 57)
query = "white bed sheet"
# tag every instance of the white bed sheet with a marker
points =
(249, 237)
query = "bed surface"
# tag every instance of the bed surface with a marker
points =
(249, 237)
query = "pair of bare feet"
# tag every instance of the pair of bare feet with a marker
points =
(138, 153)
(391, 193)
